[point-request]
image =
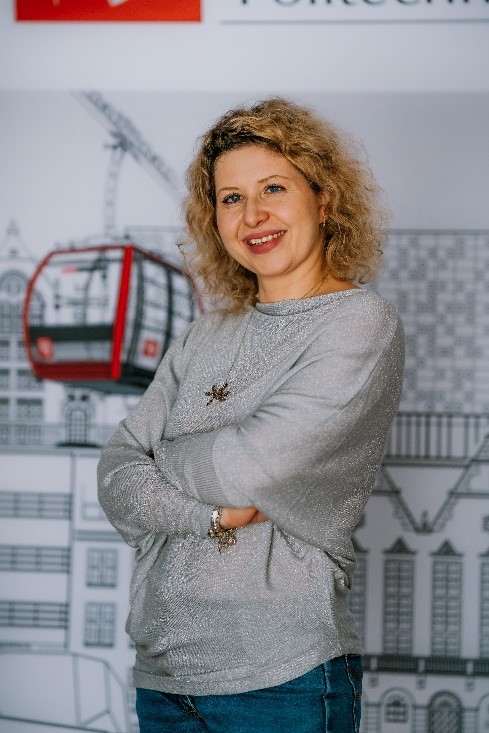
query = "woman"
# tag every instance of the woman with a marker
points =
(246, 466)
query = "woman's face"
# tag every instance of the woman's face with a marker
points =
(269, 219)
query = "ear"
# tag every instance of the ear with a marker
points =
(323, 200)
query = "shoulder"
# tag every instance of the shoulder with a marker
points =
(378, 314)
(356, 338)
(363, 322)
(368, 306)
(364, 311)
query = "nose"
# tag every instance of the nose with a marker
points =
(254, 211)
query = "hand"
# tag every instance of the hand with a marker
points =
(240, 517)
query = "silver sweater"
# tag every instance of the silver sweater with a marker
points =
(313, 387)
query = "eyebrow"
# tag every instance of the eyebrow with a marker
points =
(261, 180)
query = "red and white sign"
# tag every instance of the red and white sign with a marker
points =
(45, 348)
(150, 347)
(112, 11)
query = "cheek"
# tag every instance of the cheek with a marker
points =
(225, 227)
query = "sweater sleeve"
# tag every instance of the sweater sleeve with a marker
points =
(308, 455)
(135, 495)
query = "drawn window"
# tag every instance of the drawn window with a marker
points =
(4, 317)
(99, 624)
(77, 424)
(485, 523)
(25, 558)
(28, 434)
(21, 355)
(446, 619)
(4, 407)
(22, 614)
(5, 435)
(445, 714)
(4, 378)
(4, 349)
(29, 409)
(31, 505)
(398, 605)
(12, 288)
(15, 318)
(26, 380)
(358, 595)
(396, 710)
(102, 568)
(484, 611)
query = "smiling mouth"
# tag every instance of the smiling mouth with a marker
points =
(268, 238)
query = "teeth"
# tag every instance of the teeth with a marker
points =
(266, 239)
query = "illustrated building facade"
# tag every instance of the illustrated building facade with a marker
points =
(421, 591)
(64, 570)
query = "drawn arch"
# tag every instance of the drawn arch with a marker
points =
(445, 714)
(483, 715)
(396, 711)
(13, 284)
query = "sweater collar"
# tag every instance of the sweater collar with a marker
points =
(292, 307)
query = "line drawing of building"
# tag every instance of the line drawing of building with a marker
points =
(65, 571)
(421, 593)
(439, 282)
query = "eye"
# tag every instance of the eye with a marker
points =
(232, 198)
(274, 188)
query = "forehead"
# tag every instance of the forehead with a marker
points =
(251, 162)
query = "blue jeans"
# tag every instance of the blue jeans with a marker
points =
(325, 700)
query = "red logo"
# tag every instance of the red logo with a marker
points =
(45, 348)
(112, 11)
(150, 347)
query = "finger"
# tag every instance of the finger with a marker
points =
(259, 517)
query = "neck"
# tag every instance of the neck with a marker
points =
(306, 288)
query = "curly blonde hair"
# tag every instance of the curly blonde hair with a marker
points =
(354, 231)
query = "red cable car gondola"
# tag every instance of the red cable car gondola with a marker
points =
(103, 316)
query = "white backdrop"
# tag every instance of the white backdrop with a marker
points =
(214, 56)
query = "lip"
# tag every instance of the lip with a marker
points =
(266, 246)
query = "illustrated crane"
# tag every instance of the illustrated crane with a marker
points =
(126, 138)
